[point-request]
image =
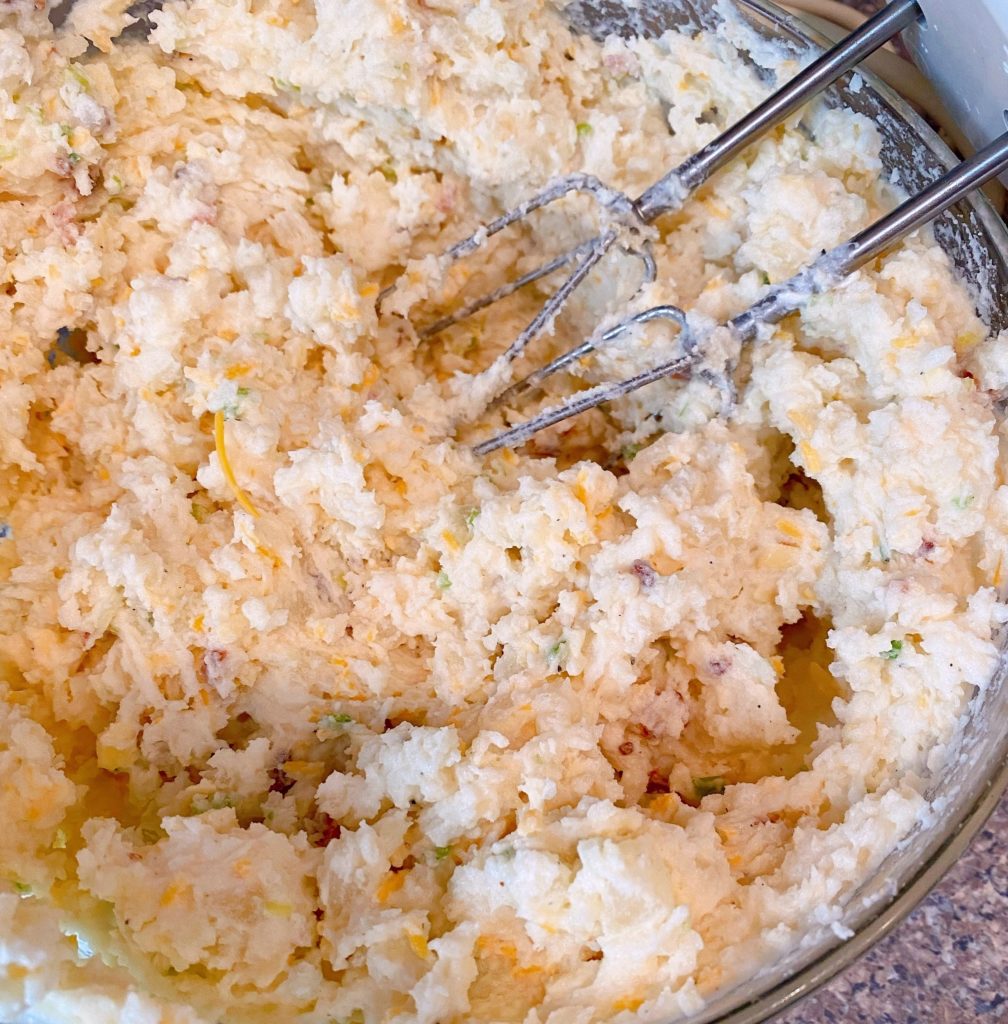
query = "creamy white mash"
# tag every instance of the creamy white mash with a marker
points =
(308, 714)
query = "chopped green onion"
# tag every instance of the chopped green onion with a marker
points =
(59, 840)
(333, 722)
(706, 785)
(201, 802)
(894, 651)
(584, 128)
(232, 410)
(440, 852)
(558, 652)
(443, 580)
(764, 277)
(75, 72)
(73, 157)
(387, 171)
(22, 888)
(629, 451)
(471, 516)
(964, 502)
(198, 511)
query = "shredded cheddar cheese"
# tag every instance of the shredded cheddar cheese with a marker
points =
(225, 465)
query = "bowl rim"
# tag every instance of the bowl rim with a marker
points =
(986, 793)
(833, 961)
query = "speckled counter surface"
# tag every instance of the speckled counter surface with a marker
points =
(947, 963)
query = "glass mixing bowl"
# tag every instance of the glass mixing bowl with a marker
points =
(970, 784)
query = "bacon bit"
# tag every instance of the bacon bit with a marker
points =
(645, 573)
(280, 781)
(621, 63)
(718, 666)
(925, 549)
(329, 831)
(213, 659)
(213, 666)
(657, 783)
(640, 729)
(626, 748)
(62, 217)
(446, 199)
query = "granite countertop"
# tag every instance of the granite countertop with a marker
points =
(947, 963)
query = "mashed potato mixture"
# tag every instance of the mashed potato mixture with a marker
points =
(308, 714)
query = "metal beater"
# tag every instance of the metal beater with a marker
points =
(624, 220)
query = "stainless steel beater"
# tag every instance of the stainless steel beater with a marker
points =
(624, 222)
(819, 276)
